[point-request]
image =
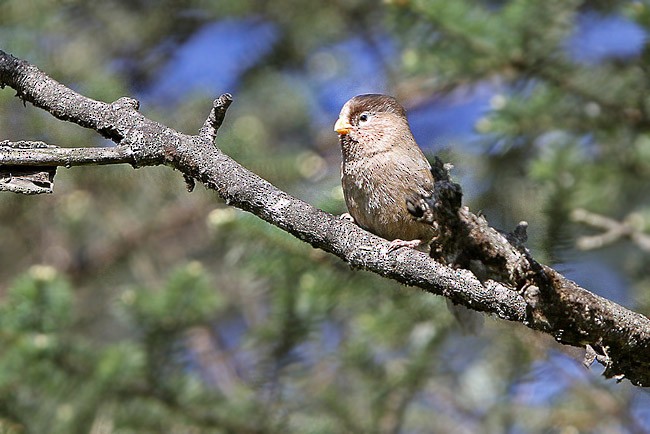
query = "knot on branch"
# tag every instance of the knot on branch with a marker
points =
(126, 102)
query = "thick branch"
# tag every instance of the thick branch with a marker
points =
(529, 293)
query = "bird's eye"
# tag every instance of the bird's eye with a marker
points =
(363, 118)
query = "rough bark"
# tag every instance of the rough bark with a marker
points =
(510, 283)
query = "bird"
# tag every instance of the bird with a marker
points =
(382, 166)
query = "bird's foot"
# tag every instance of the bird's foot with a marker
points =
(396, 244)
(347, 216)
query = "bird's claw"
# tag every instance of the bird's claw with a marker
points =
(396, 244)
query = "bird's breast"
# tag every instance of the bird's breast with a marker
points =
(375, 193)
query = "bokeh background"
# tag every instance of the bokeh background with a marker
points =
(129, 305)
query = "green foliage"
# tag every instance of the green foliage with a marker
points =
(53, 379)
(39, 302)
(187, 299)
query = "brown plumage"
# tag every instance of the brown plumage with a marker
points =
(382, 166)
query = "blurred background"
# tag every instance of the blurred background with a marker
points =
(129, 305)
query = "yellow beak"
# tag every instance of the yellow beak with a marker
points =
(342, 126)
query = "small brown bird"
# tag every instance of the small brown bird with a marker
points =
(382, 166)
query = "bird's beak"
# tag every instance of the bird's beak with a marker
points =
(342, 126)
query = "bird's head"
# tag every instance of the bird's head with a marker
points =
(371, 120)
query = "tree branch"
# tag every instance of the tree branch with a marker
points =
(216, 117)
(52, 156)
(512, 285)
(631, 227)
